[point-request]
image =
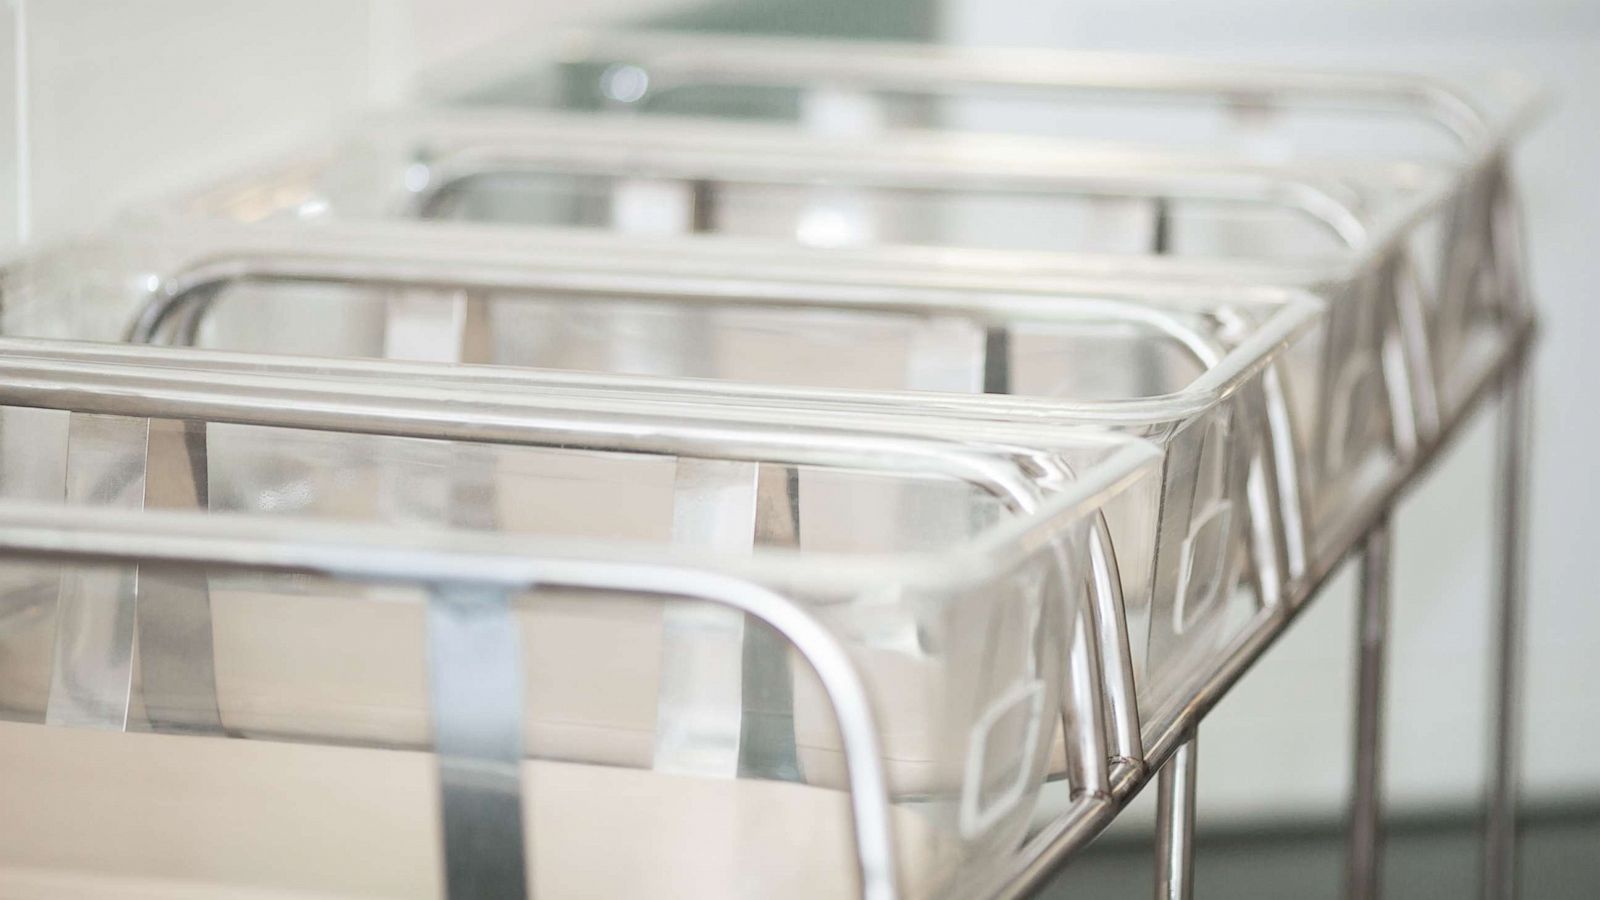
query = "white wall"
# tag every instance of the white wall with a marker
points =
(124, 99)
(1278, 744)
(127, 100)
(461, 42)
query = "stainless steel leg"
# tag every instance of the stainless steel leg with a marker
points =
(1364, 857)
(1500, 827)
(1175, 792)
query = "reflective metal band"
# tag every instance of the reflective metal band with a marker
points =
(91, 673)
(177, 670)
(767, 746)
(698, 702)
(475, 672)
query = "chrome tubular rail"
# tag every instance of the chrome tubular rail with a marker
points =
(474, 658)
(265, 398)
(657, 63)
(468, 618)
(181, 297)
(463, 149)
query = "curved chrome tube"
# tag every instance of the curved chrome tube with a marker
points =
(195, 285)
(1325, 202)
(189, 292)
(673, 61)
(453, 563)
(372, 408)
(186, 294)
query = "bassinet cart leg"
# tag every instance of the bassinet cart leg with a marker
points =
(1500, 827)
(1364, 856)
(1175, 793)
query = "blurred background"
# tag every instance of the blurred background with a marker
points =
(109, 103)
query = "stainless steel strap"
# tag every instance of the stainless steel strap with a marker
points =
(475, 673)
